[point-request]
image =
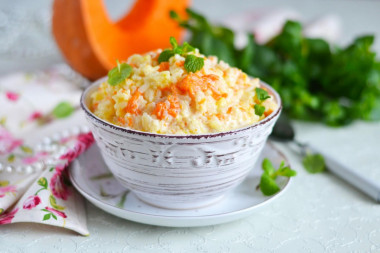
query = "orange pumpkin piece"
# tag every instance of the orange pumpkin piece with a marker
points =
(91, 42)
(174, 105)
(132, 106)
(170, 106)
(180, 63)
(130, 121)
(164, 66)
(194, 83)
(191, 84)
(161, 109)
(268, 112)
(121, 120)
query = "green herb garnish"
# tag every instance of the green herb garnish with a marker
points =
(119, 73)
(259, 109)
(165, 55)
(173, 42)
(268, 184)
(317, 81)
(314, 163)
(63, 110)
(192, 63)
(187, 48)
(261, 95)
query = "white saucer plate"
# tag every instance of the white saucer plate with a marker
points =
(91, 177)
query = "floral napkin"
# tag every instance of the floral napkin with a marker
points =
(34, 184)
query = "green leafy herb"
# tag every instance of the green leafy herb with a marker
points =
(193, 63)
(187, 48)
(314, 163)
(173, 42)
(259, 109)
(119, 73)
(63, 110)
(316, 81)
(268, 184)
(261, 94)
(165, 55)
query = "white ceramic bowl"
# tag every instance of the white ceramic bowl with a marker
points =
(179, 171)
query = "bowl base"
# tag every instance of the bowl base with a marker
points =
(178, 205)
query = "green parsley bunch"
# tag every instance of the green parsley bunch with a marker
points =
(316, 81)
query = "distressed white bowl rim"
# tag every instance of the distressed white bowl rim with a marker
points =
(96, 83)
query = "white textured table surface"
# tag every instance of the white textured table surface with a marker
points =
(318, 213)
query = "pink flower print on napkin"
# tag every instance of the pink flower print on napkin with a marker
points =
(7, 189)
(7, 217)
(73, 153)
(35, 115)
(12, 96)
(35, 158)
(59, 213)
(87, 139)
(31, 202)
(84, 142)
(57, 183)
(7, 142)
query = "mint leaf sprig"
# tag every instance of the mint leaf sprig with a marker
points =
(261, 95)
(314, 163)
(63, 110)
(268, 184)
(192, 63)
(119, 73)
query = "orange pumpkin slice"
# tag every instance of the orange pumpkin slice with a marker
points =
(91, 42)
